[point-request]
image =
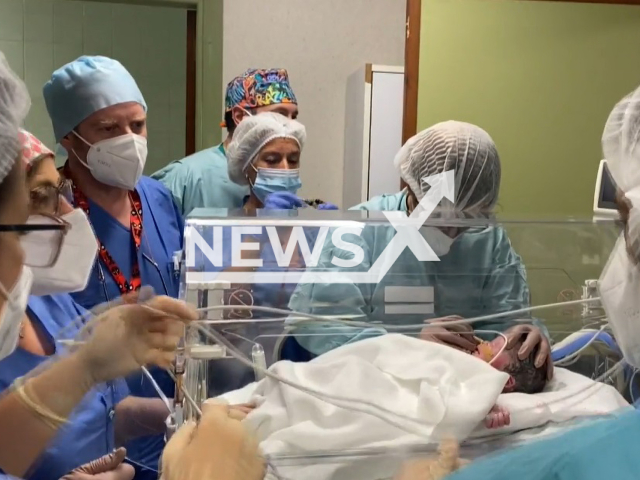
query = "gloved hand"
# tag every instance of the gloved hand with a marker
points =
(282, 201)
(533, 339)
(108, 467)
(128, 336)
(448, 461)
(217, 447)
(327, 206)
(459, 336)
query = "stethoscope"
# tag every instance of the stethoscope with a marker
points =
(146, 257)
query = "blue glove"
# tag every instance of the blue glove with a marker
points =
(327, 206)
(282, 201)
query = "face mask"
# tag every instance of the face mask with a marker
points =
(13, 311)
(271, 180)
(70, 273)
(619, 287)
(439, 242)
(117, 161)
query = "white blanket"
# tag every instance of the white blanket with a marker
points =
(447, 391)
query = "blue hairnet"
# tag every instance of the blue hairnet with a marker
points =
(84, 86)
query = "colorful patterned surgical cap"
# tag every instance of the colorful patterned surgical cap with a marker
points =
(259, 88)
(32, 148)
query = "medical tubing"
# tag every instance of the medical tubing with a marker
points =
(577, 353)
(186, 393)
(350, 323)
(157, 388)
(335, 400)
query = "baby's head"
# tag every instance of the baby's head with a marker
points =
(524, 376)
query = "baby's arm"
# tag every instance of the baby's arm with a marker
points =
(497, 417)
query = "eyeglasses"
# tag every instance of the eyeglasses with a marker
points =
(41, 239)
(47, 199)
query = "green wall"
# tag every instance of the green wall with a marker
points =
(541, 78)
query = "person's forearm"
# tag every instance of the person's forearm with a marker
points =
(136, 417)
(24, 434)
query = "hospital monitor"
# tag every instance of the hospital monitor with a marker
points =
(604, 199)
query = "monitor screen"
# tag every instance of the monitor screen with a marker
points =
(607, 197)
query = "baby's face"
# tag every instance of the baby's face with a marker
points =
(491, 352)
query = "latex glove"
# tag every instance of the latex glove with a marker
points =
(128, 336)
(109, 467)
(283, 201)
(327, 206)
(533, 339)
(448, 461)
(218, 447)
(459, 336)
(498, 417)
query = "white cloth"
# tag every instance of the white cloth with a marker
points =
(450, 392)
(447, 391)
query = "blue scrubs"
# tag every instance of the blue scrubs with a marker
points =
(602, 449)
(89, 433)
(162, 236)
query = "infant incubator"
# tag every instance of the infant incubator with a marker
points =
(284, 291)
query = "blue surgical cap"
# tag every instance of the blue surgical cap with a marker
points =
(84, 86)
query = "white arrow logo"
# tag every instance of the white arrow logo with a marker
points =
(408, 229)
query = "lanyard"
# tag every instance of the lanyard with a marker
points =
(124, 285)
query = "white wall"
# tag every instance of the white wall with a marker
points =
(38, 36)
(320, 42)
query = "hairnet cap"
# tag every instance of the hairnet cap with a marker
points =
(84, 86)
(14, 106)
(252, 134)
(462, 147)
(621, 142)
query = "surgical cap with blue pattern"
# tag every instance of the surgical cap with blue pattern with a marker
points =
(84, 86)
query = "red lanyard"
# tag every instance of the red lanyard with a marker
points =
(135, 282)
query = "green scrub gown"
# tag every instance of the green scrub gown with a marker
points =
(601, 450)
(480, 274)
(202, 181)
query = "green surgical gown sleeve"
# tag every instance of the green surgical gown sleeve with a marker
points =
(202, 181)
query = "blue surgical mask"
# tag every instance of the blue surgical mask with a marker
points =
(272, 180)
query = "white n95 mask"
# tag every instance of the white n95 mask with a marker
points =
(118, 161)
(619, 287)
(72, 268)
(15, 306)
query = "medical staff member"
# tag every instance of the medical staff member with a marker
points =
(605, 448)
(265, 155)
(108, 412)
(122, 339)
(479, 273)
(100, 117)
(201, 180)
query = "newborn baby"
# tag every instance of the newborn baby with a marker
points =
(524, 377)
